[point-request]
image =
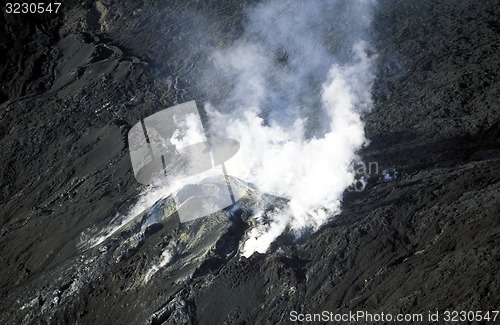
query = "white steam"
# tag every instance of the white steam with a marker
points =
(299, 81)
(292, 90)
(165, 258)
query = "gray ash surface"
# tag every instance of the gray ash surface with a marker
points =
(74, 83)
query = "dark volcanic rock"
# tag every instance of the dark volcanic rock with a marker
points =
(74, 83)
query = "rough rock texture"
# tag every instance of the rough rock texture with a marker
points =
(426, 238)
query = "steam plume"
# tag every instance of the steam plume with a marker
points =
(292, 90)
(295, 86)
